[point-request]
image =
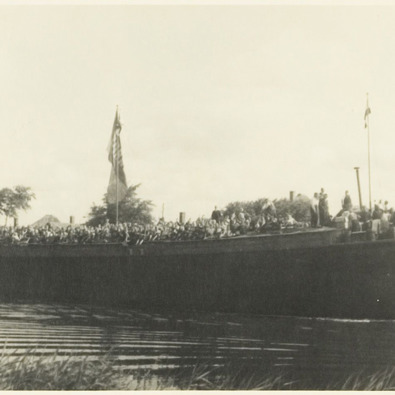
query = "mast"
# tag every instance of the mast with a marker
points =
(116, 170)
(367, 112)
(359, 188)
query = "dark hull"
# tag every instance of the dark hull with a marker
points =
(305, 274)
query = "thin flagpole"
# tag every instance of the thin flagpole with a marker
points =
(117, 168)
(367, 125)
(117, 192)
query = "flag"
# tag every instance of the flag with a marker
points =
(117, 171)
(367, 112)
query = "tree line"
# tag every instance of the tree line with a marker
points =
(134, 209)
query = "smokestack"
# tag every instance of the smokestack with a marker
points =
(16, 222)
(182, 218)
(71, 220)
(291, 195)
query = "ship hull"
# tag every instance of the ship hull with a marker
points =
(299, 275)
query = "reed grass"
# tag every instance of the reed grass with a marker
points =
(34, 371)
(379, 381)
(228, 377)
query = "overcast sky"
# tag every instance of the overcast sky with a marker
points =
(218, 103)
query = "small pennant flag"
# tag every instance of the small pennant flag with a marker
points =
(367, 112)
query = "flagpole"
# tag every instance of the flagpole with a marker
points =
(117, 192)
(117, 167)
(367, 125)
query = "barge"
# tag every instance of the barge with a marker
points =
(322, 272)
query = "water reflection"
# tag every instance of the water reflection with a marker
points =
(312, 348)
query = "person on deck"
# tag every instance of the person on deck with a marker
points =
(365, 218)
(322, 194)
(324, 210)
(241, 215)
(269, 208)
(314, 211)
(346, 203)
(216, 215)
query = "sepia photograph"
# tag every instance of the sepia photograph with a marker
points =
(197, 195)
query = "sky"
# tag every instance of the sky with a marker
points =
(219, 103)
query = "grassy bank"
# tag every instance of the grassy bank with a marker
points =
(33, 372)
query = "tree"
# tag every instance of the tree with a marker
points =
(299, 208)
(13, 200)
(130, 209)
(253, 208)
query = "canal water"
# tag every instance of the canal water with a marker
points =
(308, 351)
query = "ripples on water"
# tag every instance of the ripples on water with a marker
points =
(316, 349)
